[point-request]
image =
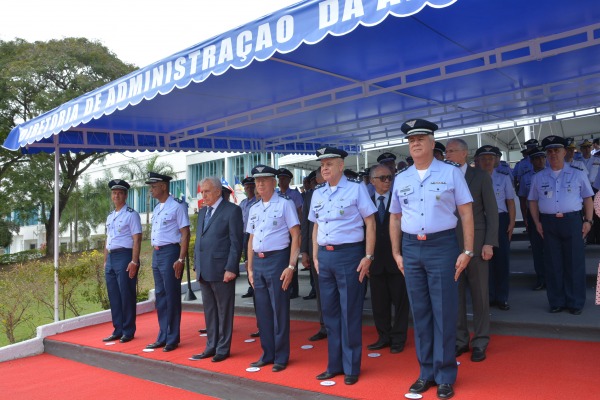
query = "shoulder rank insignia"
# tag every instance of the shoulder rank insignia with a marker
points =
(502, 171)
(402, 170)
(452, 163)
(283, 196)
(129, 209)
(178, 200)
(576, 166)
(320, 185)
(355, 180)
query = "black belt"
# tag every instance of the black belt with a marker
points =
(165, 246)
(333, 247)
(265, 254)
(562, 215)
(428, 236)
(119, 250)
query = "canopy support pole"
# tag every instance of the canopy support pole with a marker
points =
(56, 220)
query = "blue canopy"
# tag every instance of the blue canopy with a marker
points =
(342, 73)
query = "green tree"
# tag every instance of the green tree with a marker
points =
(137, 173)
(34, 78)
(7, 228)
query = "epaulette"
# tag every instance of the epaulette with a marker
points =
(320, 185)
(576, 167)
(178, 200)
(129, 209)
(452, 163)
(355, 180)
(283, 196)
(402, 170)
(503, 172)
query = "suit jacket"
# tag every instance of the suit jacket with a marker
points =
(218, 245)
(306, 226)
(384, 261)
(485, 210)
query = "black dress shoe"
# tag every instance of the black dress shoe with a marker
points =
(155, 345)
(554, 310)
(380, 344)
(478, 354)
(202, 330)
(460, 350)
(220, 357)
(169, 347)
(575, 311)
(310, 296)
(202, 355)
(503, 305)
(350, 379)
(278, 367)
(327, 375)
(125, 339)
(111, 338)
(421, 386)
(540, 286)
(260, 363)
(396, 348)
(318, 336)
(255, 334)
(246, 295)
(445, 391)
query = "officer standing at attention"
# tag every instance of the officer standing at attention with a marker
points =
(121, 262)
(555, 200)
(249, 189)
(340, 209)
(170, 239)
(424, 201)
(273, 225)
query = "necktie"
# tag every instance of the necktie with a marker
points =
(207, 217)
(381, 209)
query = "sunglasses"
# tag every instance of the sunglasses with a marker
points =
(383, 178)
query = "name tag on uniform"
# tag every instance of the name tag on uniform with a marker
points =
(421, 237)
(405, 191)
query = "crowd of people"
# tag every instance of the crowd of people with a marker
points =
(421, 233)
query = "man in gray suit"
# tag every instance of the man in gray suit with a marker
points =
(218, 250)
(485, 215)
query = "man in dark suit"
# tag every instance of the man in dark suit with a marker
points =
(218, 250)
(388, 287)
(306, 249)
(485, 215)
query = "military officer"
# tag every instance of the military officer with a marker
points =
(273, 249)
(439, 150)
(424, 201)
(121, 262)
(170, 239)
(389, 160)
(340, 209)
(555, 201)
(249, 188)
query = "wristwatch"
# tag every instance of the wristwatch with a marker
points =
(469, 253)
(180, 260)
(590, 221)
(291, 267)
(370, 257)
(137, 264)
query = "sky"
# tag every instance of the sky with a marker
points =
(137, 31)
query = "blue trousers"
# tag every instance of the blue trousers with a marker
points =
(429, 268)
(121, 292)
(500, 262)
(168, 294)
(272, 306)
(565, 260)
(342, 297)
(537, 249)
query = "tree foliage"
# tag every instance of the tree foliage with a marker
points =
(35, 78)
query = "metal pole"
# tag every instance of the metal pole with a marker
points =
(56, 220)
(189, 296)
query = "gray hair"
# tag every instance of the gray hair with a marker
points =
(461, 143)
(378, 166)
(216, 182)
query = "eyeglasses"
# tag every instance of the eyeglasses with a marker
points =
(383, 178)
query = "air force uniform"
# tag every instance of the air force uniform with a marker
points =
(559, 199)
(167, 220)
(121, 226)
(341, 239)
(270, 225)
(430, 250)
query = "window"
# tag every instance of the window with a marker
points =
(177, 188)
(142, 199)
(242, 165)
(197, 172)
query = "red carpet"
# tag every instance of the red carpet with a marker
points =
(49, 377)
(516, 368)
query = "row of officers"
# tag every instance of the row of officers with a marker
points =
(425, 237)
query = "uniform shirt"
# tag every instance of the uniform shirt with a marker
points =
(245, 205)
(428, 206)
(120, 228)
(522, 167)
(503, 189)
(294, 195)
(340, 214)
(167, 222)
(592, 165)
(562, 194)
(525, 185)
(271, 224)
(504, 168)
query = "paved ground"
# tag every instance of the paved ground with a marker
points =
(528, 315)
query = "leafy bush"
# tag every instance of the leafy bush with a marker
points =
(21, 256)
(17, 287)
